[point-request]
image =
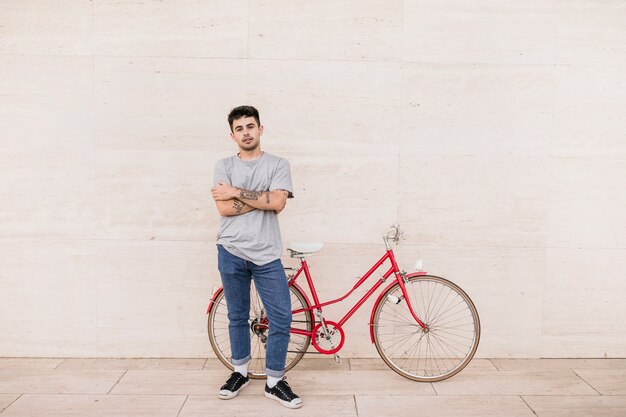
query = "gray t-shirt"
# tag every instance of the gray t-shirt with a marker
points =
(253, 236)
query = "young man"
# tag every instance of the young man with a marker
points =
(251, 189)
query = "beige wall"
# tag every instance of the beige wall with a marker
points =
(492, 131)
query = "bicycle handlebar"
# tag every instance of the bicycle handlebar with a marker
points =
(392, 234)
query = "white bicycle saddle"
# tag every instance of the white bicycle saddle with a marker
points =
(305, 248)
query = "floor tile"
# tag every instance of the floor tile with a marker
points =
(29, 363)
(50, 381)
(551, 382)
(605, 381)
(7, 399)
(214, 365)
(538, 364)
(371, 364)
(124, 363)
(253, 406)
(95, 406)
(405, 405)
(170, 382)
(355, 382)
(560, 406)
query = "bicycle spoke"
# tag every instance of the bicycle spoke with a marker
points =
(415, 349)
(397, 339)
(429, 309)
(449, 314)
(403, 321)
(445, 325)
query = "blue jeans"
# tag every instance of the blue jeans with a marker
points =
(271, 284)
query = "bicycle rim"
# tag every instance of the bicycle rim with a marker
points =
(451, 338)
(220, 338)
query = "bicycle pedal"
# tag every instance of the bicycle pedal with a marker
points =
(337, 358)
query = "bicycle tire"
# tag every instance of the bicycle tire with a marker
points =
(445, 348)
(217, 326)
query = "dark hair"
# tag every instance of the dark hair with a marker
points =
(243, 111)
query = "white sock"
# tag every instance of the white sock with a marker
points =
(242, 369)
(272, 381)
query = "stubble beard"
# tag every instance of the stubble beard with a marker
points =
(250, 147)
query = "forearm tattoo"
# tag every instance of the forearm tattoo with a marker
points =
(250, 195)
(238, 206)
(254, 195)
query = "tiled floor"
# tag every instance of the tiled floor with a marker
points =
(356, 387)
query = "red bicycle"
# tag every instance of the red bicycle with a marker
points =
(424, 327)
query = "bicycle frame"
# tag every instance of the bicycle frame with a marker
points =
(426, 351)
(393, 270)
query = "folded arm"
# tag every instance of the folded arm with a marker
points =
(264, 200)
(232, 208)
(229, 199)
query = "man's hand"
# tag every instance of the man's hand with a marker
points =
(224, 192)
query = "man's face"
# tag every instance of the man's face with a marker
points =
(246, 133)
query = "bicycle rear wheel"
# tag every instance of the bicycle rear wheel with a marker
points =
(259, 329)
(447, 344)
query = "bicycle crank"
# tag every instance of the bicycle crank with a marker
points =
(328, 337)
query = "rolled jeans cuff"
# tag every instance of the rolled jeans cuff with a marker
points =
(273, 373)
(239, 362)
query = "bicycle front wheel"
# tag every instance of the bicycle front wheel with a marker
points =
(259, 329)
(444, 347)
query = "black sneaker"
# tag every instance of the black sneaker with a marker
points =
(283, 394)
(233, 385)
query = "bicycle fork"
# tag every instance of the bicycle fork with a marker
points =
(401, 283)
